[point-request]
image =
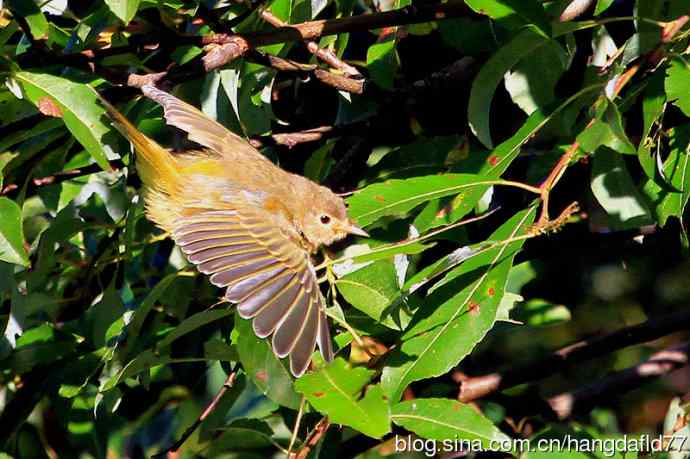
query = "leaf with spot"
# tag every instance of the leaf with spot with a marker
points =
(441, 419)
(458, 314)
(335, 390)
(81, 112)
(263, 367)
(398, 197)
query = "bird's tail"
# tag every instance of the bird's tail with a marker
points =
(156, 166)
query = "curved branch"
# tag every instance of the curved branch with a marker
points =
(659, 364)
(476, 387)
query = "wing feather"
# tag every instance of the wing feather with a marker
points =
(199, 127)
(300, 356)
(290, 329)
(267, 275)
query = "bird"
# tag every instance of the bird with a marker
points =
(245, 222)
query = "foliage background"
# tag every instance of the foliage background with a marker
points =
(113, 346)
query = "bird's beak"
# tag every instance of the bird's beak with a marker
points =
(356, 230)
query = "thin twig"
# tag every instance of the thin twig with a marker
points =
(312, 439)
(473, 388)
(226, 48)
(298, 421)
(651, 59)
(229, 381)
(325, 55)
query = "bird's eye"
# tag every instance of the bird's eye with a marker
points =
(325, 219)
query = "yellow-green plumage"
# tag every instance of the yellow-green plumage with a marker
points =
(243, 221)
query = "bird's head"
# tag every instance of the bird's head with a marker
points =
(325, 220)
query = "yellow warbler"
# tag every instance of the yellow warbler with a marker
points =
(245, 222)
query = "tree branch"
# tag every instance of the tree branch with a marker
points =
(325, 55)
(229, 47)
(649, 60)
(312, 439)
(229, 382)
(659, 364)
(476, 387)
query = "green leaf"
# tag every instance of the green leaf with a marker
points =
(541, 313)
(123, 9)
(669, 194)
(372, 290)
(263, 367)
(30, 11)
(485, 83)
(79, 108)
(11, 234)
(192, 323)
(507, 11)
(532, 82)
(653, 106)
(319, 164)
(468, 35)
(144, 361)
(335, 390)
(678, 84)
(440, 337)
(495, 164)
(481, 277)
(13, 109)
(137, 321)
(242, 435)
(607, 130)
(602, 5)
(383, 63)
(397, 197)
(614, 189)
(442, 419)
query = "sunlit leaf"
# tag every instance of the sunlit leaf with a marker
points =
(12, 248)
(336, 391)
(81, 112)
(464, 310)
(442, 419)
(492, 73)
(263, 367)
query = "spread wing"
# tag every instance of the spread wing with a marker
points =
(267, 275)
(199, 127)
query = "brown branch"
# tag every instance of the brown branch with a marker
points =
(659, 364)
(312, 439)
(574, 9)
(651, 59)
(340, 82)
(225, 48)
(278, 63)
(290, 139)
(325, 55)
(472, 388)
(229, 381)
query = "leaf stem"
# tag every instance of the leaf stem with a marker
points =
(295, 430)
(407, 242)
